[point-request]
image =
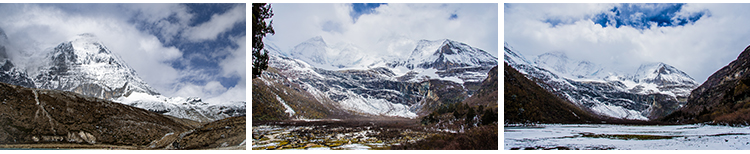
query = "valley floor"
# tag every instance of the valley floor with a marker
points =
(630, 137)
(335, 134)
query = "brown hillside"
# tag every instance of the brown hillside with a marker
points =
(222, 133)
(49, 116)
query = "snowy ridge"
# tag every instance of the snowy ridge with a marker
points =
(432, 54)
(603, 91)
(192, 108)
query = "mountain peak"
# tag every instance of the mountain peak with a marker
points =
(317, 40)
(663, 74)
(86, 66)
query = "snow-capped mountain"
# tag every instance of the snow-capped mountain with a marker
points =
(665, 78)
(84, 65)
(387, 87)
(447, 54)
(653, 91)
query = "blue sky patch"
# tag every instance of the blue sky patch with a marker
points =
(643, 16)
(358, 9)
(203, 56)
(639, 16)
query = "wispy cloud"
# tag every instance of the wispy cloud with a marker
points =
(219, 23)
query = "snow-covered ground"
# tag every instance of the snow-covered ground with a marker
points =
(602, 136)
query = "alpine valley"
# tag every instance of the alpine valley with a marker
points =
(442, 86)
(103, 101)
(653, 91)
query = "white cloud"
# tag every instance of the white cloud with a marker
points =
(217, 25)
(699, 49)
(209, 90)
(388, 31)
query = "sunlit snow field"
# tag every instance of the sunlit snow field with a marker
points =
(602, 136)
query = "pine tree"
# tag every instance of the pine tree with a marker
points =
(261, 12)
(470, 116)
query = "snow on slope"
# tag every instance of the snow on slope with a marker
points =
(338, 86)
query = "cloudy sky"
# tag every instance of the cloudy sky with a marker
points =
(698, 39)
(179, 49)
(385, 29)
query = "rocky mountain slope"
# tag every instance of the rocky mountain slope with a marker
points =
(438, 72)
(723, 98)
(654, 91)
(225, 133)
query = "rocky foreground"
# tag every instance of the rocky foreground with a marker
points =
(336, 134)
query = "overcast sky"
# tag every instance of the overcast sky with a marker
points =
(181, 50)
(385, 29)
(698, 39)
